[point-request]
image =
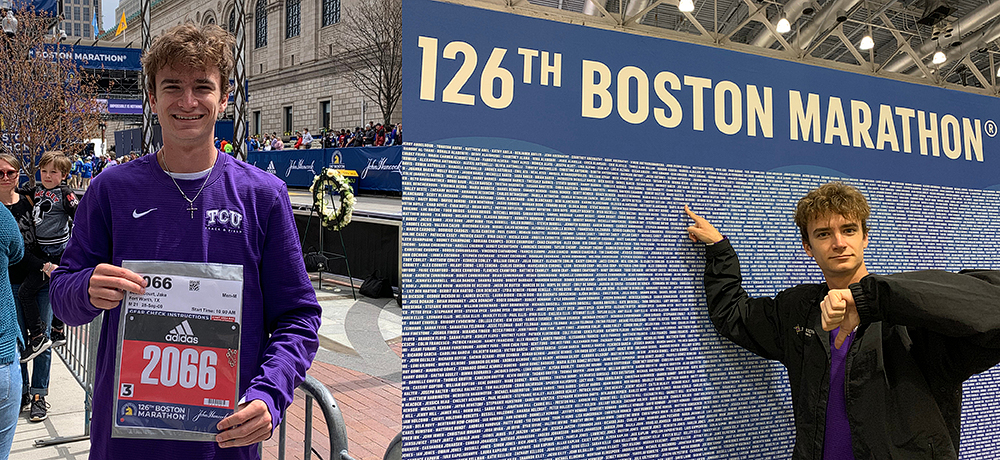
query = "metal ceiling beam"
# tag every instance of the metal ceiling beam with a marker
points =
(793, 11)
(968, 46)
(633, 17)
(760, 15)
(905, 46)
(821, 22)
(871, 18)
(697, 25)
(727, 18)
(592, 8)
(839, 32)
(975, 71)
(754, 11)
(967, 24)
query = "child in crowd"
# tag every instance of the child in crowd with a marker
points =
(54, 205)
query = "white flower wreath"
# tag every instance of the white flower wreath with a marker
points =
(328, 183)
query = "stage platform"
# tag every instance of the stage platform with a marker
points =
(384, 209)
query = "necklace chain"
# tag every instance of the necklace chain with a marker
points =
(190, 201)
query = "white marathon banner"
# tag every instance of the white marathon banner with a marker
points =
(178, 351)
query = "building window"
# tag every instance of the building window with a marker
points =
(324, 114)
(260, 16)
(86, 12)
(331, 12)
(232, 21)
(291, 18)
(86, 30)
(256, 122)
(76, 13)
(76, 30)
(288, 119)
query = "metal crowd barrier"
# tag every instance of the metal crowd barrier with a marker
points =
(80, 357)
(336, 429)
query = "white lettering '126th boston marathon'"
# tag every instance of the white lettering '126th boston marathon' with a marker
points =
(379, 165)
(300, 164)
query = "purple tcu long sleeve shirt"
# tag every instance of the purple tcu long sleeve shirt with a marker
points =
(244, 216)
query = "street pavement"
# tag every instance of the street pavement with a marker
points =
(359, 362)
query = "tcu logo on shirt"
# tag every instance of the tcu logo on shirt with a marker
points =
(224, 219)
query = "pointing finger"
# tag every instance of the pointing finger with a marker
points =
(691, 214)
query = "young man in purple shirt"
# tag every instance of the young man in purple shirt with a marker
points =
(876, 363)
(189, 203)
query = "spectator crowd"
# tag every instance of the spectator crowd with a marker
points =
(374, 135)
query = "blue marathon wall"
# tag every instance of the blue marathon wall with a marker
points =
(554, 307)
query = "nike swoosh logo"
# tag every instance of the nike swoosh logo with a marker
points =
(136, 214)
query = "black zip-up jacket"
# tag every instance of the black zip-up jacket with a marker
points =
(921, 335)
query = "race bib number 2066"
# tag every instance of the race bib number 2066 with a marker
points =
(178, 366)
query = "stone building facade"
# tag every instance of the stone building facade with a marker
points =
(293, 82)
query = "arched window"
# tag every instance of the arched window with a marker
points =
(260, 16)
(232, 21)
(291, 18)
(331, 12)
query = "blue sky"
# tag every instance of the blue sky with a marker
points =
(108, 14)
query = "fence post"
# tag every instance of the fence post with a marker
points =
(80, 357)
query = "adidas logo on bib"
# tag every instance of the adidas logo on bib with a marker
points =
(182, 333)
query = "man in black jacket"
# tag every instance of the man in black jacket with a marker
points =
(875, 363)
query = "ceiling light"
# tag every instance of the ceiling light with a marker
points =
(686, 6)
(998, 71)
(867, 43)
(939, 58)
(783, 26)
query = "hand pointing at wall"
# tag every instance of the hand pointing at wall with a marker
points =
(702, 230)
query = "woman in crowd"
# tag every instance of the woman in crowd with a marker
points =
(35, 389)
(11, 252)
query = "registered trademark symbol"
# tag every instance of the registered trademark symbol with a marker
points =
(991, 128)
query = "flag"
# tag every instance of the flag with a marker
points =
(94, 23)
(122, 25)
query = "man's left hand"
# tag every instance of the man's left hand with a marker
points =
(250, 424)
(838, 310)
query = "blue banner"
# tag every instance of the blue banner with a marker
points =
(672, 102)
(95, 57)
(378, 168)
(42, 7)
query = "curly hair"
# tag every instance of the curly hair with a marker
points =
(831, 198)
(186, 45)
